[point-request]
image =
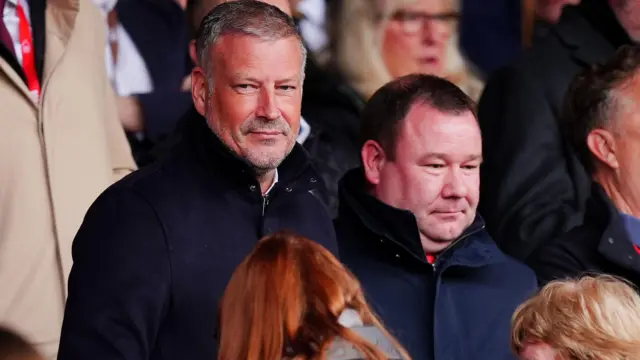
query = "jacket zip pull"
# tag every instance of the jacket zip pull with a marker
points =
(265, 202)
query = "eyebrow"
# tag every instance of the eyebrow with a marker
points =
(445, 156)
(240, 77)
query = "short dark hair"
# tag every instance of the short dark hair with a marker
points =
(591, 100)
(389, 105)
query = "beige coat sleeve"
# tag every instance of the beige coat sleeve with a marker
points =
(122, 162)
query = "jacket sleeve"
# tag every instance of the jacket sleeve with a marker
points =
(122, 162)
(528, 195)
(119, 283)
(162, 110)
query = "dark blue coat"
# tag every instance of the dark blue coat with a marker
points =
(457, 309)
(156, 250)
(159, 30)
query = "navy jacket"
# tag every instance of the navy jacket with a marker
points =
(156, 250)
(601, 245)
(159, 30)
(459, 308)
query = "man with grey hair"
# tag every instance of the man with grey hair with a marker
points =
(156, 250)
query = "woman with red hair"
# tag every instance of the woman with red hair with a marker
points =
(292, 299)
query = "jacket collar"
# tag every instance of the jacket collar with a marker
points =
(591, 30)
(295, 172)
(37, 10)
(473, 248)
(615, 244)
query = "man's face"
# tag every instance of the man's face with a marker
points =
(627, 143)
(254, 104)
(628, 14)
(435, 173)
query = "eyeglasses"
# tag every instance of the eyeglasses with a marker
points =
(413, 21)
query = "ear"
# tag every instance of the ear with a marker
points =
(199, 89)
(601, 143)
(192, 52)
(373, 159)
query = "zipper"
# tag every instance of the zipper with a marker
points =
(448, 248)
(437, 286)
(265, 202)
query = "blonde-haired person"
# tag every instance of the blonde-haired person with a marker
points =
(291, 298)
(582, 319)
(376, 41)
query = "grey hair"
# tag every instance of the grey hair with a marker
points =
(245, 17)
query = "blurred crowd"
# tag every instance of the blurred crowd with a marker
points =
(320, 179)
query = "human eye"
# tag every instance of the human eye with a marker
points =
(244, 88)
(286, 88)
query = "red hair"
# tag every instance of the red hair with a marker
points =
(288, 294)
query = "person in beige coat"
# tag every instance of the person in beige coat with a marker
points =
(57, 154)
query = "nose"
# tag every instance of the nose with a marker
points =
(267, 105)
(454, 186)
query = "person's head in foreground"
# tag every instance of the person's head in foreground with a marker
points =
(422, 152)
(14, 347)
(248, 84)
(593, 318)
(292, 299)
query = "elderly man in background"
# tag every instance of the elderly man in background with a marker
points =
(602, 120)
(156, 250)
(534, 187)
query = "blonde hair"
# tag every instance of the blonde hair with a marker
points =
(356, 31)
(585, 319)
(288, 294)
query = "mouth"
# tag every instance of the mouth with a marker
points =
(448, 213)
(266, 133)
(429, 60)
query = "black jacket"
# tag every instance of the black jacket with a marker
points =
(158, 29)
(533, 187)
(600, 246)
(156, 250)
(439, 311)
(333, 110)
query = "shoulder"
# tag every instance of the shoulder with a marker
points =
(572, 248)
(504, 269)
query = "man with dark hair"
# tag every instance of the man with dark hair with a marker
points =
(407, 225)
(601, 118)
(156, 250)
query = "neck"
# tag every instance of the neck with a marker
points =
(623, 202)
(265, 178)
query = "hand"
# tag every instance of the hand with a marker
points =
(130, 113)
(186, 83)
